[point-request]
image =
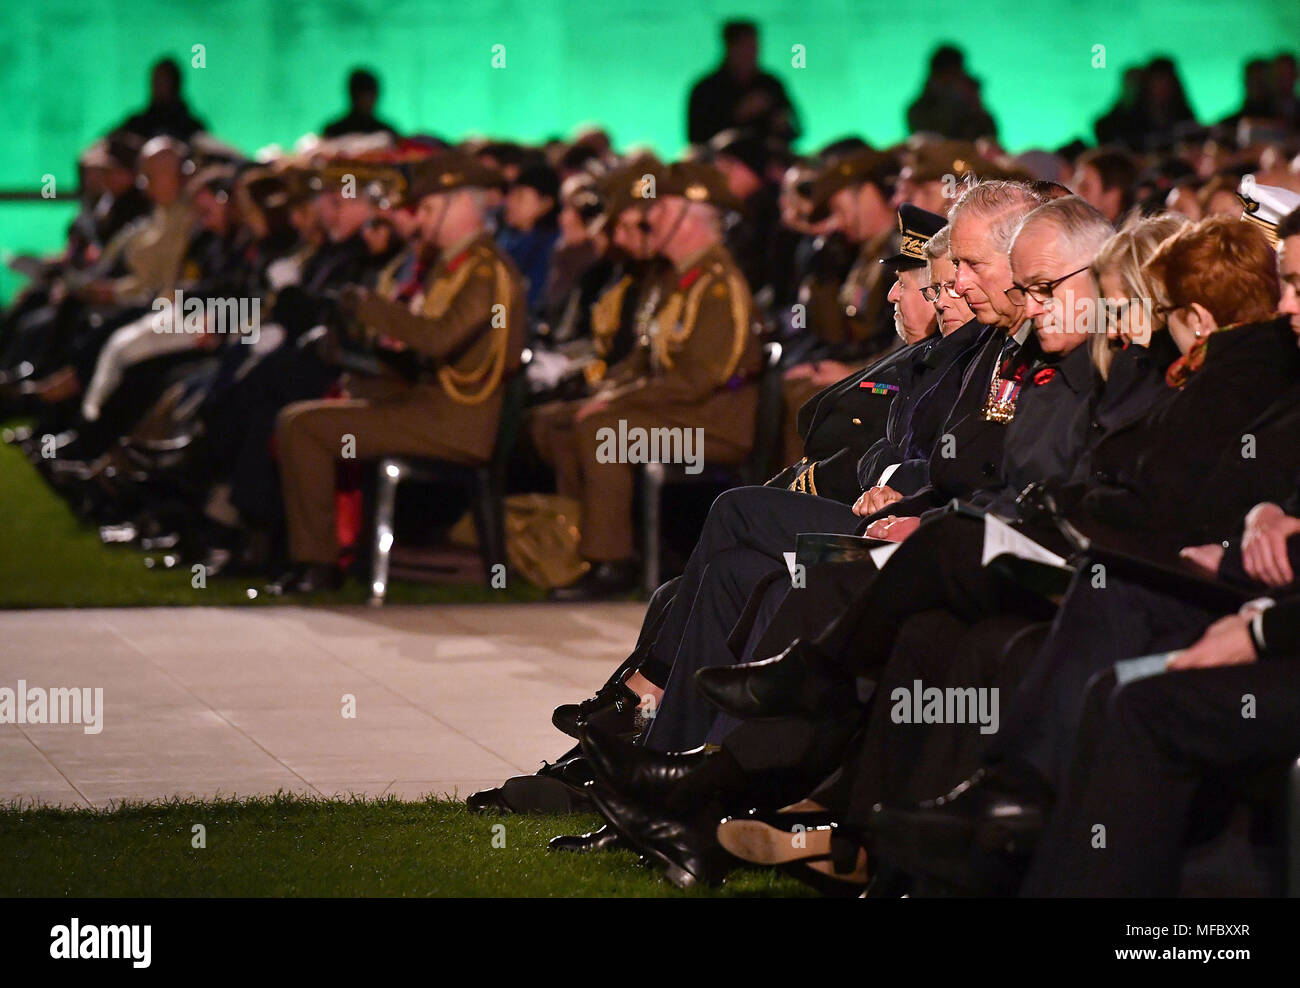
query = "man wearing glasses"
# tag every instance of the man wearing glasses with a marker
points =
(1048, 439)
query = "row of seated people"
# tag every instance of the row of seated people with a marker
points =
(112, 381)
(160, 428)
(217, 335)
(1056, 633)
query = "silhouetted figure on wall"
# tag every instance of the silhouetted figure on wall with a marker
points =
(739, 94)
(950, 103)
(1152, 111)
(167, 113)
(363, 94)
(1257, 80)
(1285, 104)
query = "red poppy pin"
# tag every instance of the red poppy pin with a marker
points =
(689, 278)
(1044, 375)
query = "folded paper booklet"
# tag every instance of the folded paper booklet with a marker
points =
(814, 548)
(1000, 539)
(1127, 670)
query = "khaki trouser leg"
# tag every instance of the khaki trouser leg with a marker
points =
(553, 435)
(605, 494)
(606, 491)
(310, 438)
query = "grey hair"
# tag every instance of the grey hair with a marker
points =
(1004, 203)
(937, 245)
(1079, 225)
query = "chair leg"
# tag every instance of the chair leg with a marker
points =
(390, 475)
(489, 522)
(652, 491)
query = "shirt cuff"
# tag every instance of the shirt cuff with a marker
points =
(1258, 608)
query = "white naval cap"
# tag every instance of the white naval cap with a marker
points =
(1266, 205)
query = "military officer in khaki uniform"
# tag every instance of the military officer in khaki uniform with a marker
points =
(626, 306)
(622, 310)
(460, 312)
(692, 369)
(854, 189)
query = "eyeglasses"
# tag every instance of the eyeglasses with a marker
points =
(931, 292)
(1041, 292)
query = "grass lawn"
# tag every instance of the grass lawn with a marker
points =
(49, 558)
(297, 846)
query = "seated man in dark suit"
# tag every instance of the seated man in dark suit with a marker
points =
(1229, 706)
(1132, 748)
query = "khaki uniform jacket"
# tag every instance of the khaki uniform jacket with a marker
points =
(864, 295)
(469, 324)
(699, 350)
(622, 311)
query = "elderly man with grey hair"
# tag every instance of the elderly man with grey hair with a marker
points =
(981, 226)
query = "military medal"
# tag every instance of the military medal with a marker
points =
(1000, 405)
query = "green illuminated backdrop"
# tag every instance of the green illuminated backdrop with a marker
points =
(70, 69)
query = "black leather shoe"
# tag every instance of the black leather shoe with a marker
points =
(556, 787)
(601, 582)
(613, 711)
(603, 838)
(978, 838)
(575, 773)
(488, 801)
(674, 782)
(689, 856)
(529, 794)
(306, 578)
(795, 683)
